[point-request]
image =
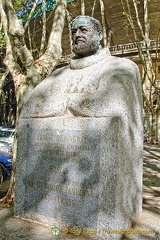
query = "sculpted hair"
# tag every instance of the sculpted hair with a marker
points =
(95, 22)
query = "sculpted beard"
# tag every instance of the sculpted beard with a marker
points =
(83, 47)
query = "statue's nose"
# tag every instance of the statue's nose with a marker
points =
(78, 33)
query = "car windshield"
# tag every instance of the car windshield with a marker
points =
(5, 134)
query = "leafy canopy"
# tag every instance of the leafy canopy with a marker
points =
(23, 6)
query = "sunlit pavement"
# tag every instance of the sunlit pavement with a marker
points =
(151, 178)
(12, 228)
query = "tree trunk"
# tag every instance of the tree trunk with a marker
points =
(36, 70)
(154, 128)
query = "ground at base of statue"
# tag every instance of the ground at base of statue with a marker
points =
(147, 226)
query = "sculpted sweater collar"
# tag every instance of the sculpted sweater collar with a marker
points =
(90, 60)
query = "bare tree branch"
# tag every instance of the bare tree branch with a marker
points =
(93, 8)
(3, 78)
(69, 19)
(146, 22)
(30, 15)
(148, 102)
(9, 58)
(54, 50)
(29, 38)
(43, 40)
(103, 23)
(145, 37)
(17, 35)
(82, 7)
(137, 18)
(109, 37)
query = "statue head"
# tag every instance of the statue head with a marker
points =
(86, 36)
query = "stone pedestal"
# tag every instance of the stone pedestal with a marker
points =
(80, 174)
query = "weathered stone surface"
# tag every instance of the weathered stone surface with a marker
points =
(82, 164)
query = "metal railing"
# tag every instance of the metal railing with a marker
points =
(132, 47)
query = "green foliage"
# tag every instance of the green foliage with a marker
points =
(18, 4)
(22, 6)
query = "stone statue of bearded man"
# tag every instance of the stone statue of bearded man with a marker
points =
(96, 99)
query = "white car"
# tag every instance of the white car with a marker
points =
(6, 139)
(5, 146)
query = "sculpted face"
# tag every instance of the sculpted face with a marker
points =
(86, 36)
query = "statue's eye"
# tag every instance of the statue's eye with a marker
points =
(84, 29)
(73, 32)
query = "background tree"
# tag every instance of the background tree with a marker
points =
(28, 69)
(141, 33)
